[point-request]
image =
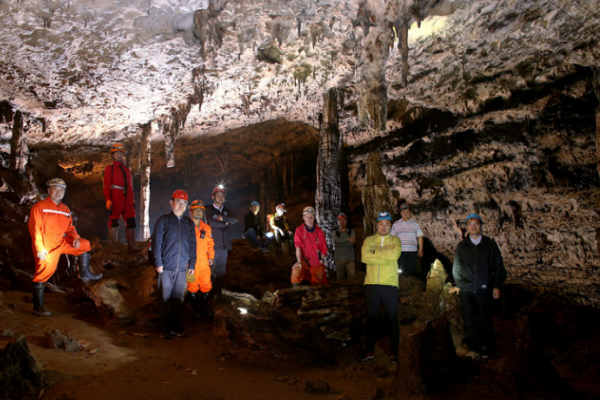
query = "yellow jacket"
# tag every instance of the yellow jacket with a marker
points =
(381, 254)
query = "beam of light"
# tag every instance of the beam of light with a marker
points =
(243, 310)
(399, 271)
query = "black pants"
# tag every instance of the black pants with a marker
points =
(376, 296)
(408, 262)
(477, 315)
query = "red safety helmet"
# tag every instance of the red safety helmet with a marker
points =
(219, 189)
(117, 147)
(180, 194)
(197, 204)
(280, 205)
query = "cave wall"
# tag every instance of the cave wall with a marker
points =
(526, 165)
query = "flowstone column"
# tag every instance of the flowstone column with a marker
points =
(145, 155)
(18, 144)
(375, 193)
(329, 189)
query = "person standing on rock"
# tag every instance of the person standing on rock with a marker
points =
(118, 194)
(201, 286)
(311, 249)
(344, 239)
(380, 253)
(220, 218)
(254, 230)
(479, 272)
(279, 225)
(52, 234)
(411, 236)
(174, 254)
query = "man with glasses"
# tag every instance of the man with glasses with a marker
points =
(478, 272)
(174, 251)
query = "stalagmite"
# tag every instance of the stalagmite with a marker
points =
(329, 190)
(18, 144)
(145, 155)
(597, 90)
(375, 193)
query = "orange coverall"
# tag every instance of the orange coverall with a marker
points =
(51, 228)
(205, 249)
(120, 192)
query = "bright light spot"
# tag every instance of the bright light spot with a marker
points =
(243, 310)
(270, 235)
(399, 271)
(429, 27)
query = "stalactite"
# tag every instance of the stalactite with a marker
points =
(18, 144)
(375, 193)
(329, 193)
(145, 156)
(404, 51)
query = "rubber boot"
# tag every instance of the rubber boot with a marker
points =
(177, 317)
(195, 302)
(130, 235)
(204, 308)
(84, 268)
(37, 291)
(113, 235)
(164, 320)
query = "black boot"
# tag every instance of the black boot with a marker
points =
(177, 317)
(84, 268)
(37, 291)
(195, 302)
(164, 320)
(204, 308)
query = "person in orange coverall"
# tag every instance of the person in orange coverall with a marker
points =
(118, 193)
(205, 254)
(311, 250)
(52, 233)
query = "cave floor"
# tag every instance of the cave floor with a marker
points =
(132, 362)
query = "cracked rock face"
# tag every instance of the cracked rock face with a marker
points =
(484, 106)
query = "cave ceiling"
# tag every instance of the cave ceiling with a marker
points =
(93, 71)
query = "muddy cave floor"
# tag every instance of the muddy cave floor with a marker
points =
(133, 362)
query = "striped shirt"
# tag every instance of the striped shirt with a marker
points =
(408, 232)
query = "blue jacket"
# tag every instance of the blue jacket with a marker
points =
(174, 243)
(478, 269)
(221, 229)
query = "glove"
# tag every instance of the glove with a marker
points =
(42, 254)
(108, 205)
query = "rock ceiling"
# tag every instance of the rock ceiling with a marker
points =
(92, 71)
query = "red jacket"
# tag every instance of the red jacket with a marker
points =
(311, 243)
(115, 174)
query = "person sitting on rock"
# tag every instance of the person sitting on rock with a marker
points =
(52, 234)
(278, 224)
(344, 239)
(199, 284)
(254, 231)
(380, 253)
(479, 272)
(118, 194)
(174, 254)
(311, 249)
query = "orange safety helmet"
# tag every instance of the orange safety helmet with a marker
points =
(197, 204)
(219, 188)
(117, 147)
(180, 194)
(342, 216)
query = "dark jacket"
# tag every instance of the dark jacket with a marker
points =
(478, 269)
(254, 222)
(220, 229)
(174, 243)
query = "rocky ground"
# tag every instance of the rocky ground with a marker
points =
(131, 361)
